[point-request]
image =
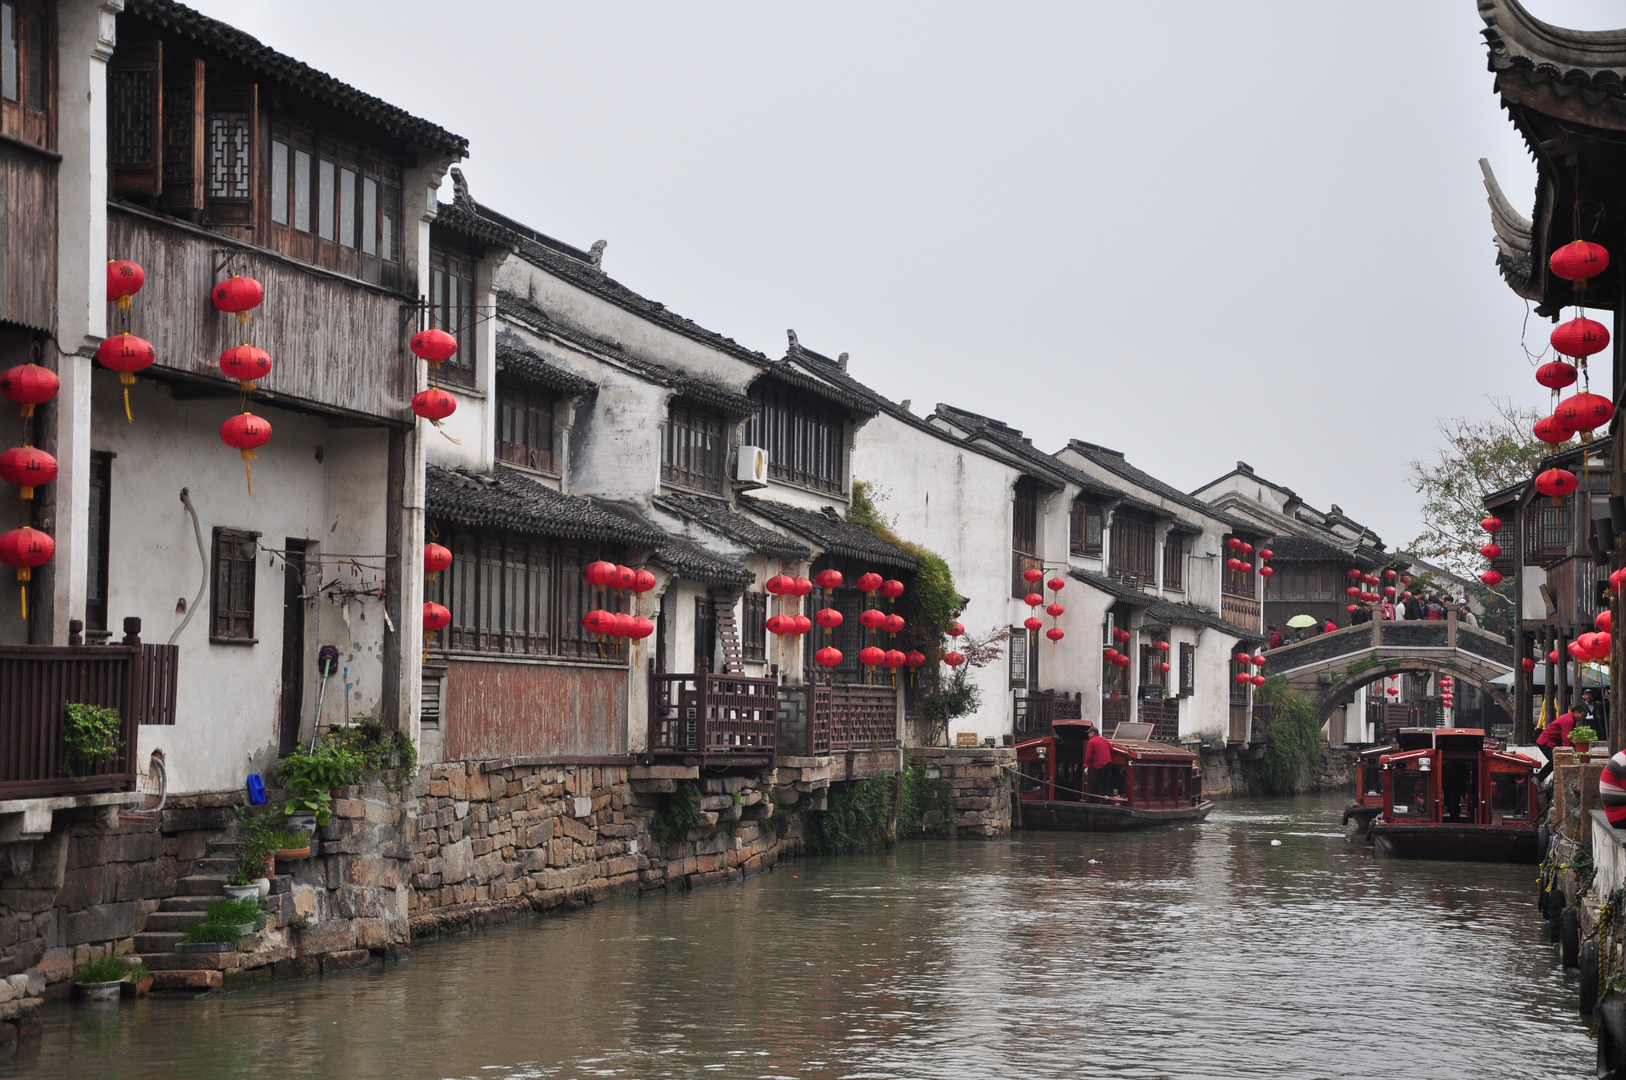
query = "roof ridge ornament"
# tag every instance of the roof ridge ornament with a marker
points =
(841, 361)
(595, 254)
(795, 347)
(460, 186)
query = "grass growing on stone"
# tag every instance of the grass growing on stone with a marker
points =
(204, 932)
(856, 815)
(234, 912)
(676, 814)
(105, 970)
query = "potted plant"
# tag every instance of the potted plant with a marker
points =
(250, 876)
(100, 980)
(1582, 738)
(294, 846)
(208, 937)
(245, 916)
(324, 768)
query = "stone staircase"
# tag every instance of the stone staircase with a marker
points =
(164, 929)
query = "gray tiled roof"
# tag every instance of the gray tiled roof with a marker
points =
(1116, 464)
(288, 75)
(683, 556)
(719, 517)
(1191, 615)
(1113, 587)
(510, 499)
(831, 532)
(515, 358)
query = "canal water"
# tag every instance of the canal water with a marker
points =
(1207, 951)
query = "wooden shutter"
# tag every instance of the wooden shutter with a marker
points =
(135, 118)
(1188, 670)
(231, 141)
(1018, 646)
(183, 136)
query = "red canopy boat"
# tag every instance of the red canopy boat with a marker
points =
(1154, 783)
(1369, 774)
(1458, 799)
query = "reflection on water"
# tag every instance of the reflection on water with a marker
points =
(1199, 952)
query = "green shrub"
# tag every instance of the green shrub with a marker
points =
(229, 912)
(91, 735)
(676, 814)
(378, 748)
(209, 932)
(856, 815)
(1293, 749)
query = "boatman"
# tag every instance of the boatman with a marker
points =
(1553, 736)
(1098, 762)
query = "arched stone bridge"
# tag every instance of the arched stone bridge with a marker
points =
(1329, 668)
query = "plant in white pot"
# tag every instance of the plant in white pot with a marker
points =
(102, 979)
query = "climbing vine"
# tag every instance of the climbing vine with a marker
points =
(1293, 747)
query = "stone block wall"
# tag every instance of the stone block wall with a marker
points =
(976, 783)
(1575, 796)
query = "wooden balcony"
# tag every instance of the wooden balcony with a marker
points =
(1243, 612)
(1164, 716)
(37, 683)
(817, 719)
(1037, 712)
(710, 715)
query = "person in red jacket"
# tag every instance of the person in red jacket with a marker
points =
(1553, 736)
(1098, 760)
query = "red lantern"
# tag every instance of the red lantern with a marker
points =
(1266, 554)
(1393, 692)
(1490, 524)
(625, 577)
(641, 628)
(1353, 608)
(29, 385)
(1032, 574)
(1033, 599)
(436, 558)
(780, 625)
(780, 584)
(1491, 551)
(1243, 676)
(599, 574)
(914, 659)
(1161, 646)
(891, 589)
(1579, 260)
(598, 621)
(1580, 337)
(1258, 661)
(953, 659)
(433, 404)
(27, 468)
(435, 617)
(126, 354)
(1605, 642)
(827, 657)
(1233, 563)
(1247, 548)
(828, 579)
(1164, 667)
(869, 583)
(1389, 575)
(434, 346)
(1556, 374)
(1584, 411)
(1110, 655)
(1243, 658)
(1033, 623)
(1388, 590)
(829, 618)
(1055, 611)
(1233, 543)
(1585, 645)
(893, 624)
(1604, 621)
(1491, 578)
(801, 586)
(1352, 591)
(956, 629)
(1257, 680)
(1406, 595)
(623, 625)
(642, 581)
(1353, 574)
(870, 656)
(1120, 635)
(1556, 483)
(238, 294)
(1265, 571)
(1550, 429)
(1529, 664)
(124, 280)
(893, 658)
(1055, 633)
(1056, 584)
(245, 433)
(800, 624)
(1552, 657)
(1617, 580)
(245, 363)
(873, 618)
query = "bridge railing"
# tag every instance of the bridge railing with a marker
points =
(1447, 633)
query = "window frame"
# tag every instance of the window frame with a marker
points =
(513, 397)
(1188, 669)
(805, 436)
(1237, 583)
(1085, 513)
(454, 280)
(754, 627)
(1174, 561)
(99, 517)
(20, 117)
(243, 561)
(684, 422)
(1133, 548)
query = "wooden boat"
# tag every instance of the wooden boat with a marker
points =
(1458, 799)
(1369, 775)
(1154, 783)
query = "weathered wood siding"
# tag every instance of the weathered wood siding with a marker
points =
(333, 342)
(496, 709)
(28, 204)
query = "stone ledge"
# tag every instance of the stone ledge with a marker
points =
(664, 772)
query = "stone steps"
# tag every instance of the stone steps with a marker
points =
(188, 979)
(198, 904)
(210, 885)
(214, 866)
(162, 921)
(163, 941)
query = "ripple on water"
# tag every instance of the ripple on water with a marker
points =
(1196, 952)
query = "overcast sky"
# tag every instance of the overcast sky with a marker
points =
(1193, 232)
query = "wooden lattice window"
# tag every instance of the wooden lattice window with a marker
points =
(524, 425)
(231, 134)
(135, 118)
(754, 633)
(1174, 561)
(1025, 518)
(100, 522)
(332, 201)
(28, 71)
(694, 448)
(451, 308)
(1152, 660)
(1087, 526)
(1188, 669)
(804, 437)
(1239, 687)
(232, 599)
(1547, 528)
(1236, 582)
(1134, 547)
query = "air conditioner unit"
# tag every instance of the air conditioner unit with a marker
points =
(752, 466)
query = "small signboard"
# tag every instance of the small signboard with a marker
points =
(965, 738)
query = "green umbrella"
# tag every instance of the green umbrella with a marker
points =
(1303, 620)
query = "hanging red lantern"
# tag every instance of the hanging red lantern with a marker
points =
(1393, 692)
(625, 576)
(1257, 680)
(1490, 524)
(1406, 595)
(870, 656)
(1552, 657)
(800, 624)
(435, 617)
(1033, 599)
(956, 629)
(1556, 483)
(1056, 584)
(623, 625)
(436, 557)
(24, 549)
(599, 574)
(1032, 575)
(1586, 645)
(1353, 574)
(1123, 661)
(780, 584)
(1243, 676)
(914, 659)
(1604, 621)
(829, 618)
(435, 346)
(1233, 543)
(245, 363)
(27, 468)
(1242, 657)
(1578, 261)
(891, 589)
(1055, 611)
(1110, 655)
(1119, 634)
(29, 385)
(1556, 374)
(433, 404)
(1353, 608)
(1390, 575)
(1584, 411)
(1161, 646)
(1529, 665)
(1266, 554)
(1550, 429)
(1491, 578)
(872, 618)
(1233, 563)
(238, 294)
(1259, 661)
(1265, 571)
(780, 625)
(641, 628)
(1491, 551)
(642, 581)
(245, 433)
(1055, 633)
(828, 579)
(599, 621)
(800, 586)
(1247, 548)
(1580, 336)
(893, 659)
(1617, 580)
(827, 657)
(1033, 622)
(893, 624)
(868, 583)
(953, 659)
(124, 280)
(1352, 591)
(1388, 590)
(126, 354)
(1605, 642)
(1164, 667)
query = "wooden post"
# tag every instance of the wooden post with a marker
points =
(1617, 488)
(1562, 704)
(1522, 733)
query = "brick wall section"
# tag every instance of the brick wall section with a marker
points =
(978, 783)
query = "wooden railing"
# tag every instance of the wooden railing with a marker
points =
(705, 714)
(38, 682)
(1242, 612)
(1164, 716)
(1040, 709)
(820, 719)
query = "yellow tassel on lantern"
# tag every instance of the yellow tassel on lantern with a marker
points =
(24, 575)
(249, 455)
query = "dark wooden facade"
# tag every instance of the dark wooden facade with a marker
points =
(509, 708)
(28, 232)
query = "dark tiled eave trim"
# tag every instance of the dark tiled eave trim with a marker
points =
(578, 531)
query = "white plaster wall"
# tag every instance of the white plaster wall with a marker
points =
(228, 700)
